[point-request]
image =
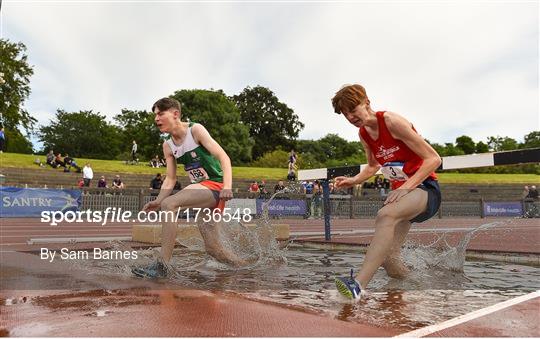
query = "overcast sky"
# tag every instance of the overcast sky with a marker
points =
(450, 67)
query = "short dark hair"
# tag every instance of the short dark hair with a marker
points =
(164, 104)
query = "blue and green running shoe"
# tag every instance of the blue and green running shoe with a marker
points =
(349, 287)
(155, 270)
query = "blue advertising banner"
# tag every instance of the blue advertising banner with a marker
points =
(503, 208)
(283, 207)
(30, 202)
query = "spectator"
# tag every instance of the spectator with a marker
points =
(378, 183)
(357, 191)
(102, 183)
(117, 183)
(262, 187)
(134, 153)
(80, 183)
(254, 187)
(155, 184)
(155, 162)
(69, 161)
(58, 160)
(51, 159)
(530, 197)
(279, 186)
(2, 140)
(309, 187)
(292, 160)
(291, 176)
(316, 201)
(533, 193)
(88, 174)
(525, 193)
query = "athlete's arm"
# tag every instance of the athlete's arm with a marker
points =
(170, 179)
(204, 138)
(366, 173)
(401, 129)
(168, 183)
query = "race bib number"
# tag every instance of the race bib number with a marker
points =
(394, 171)
(197, 175)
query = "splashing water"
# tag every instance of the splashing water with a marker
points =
(440, 258)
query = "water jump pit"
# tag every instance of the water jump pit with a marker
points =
(287, 291)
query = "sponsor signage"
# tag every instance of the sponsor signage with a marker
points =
(503, 208)
(283, 207)
(30, 202)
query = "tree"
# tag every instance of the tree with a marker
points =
(531, 140)
(481, 147)
(14, 86)
(215, 111)
(502, 144)
(271, 123)
(466, 144)
(335, 147)
(16, 142)
(139, 126)
(81, 134)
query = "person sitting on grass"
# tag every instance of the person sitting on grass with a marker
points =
(69, 161)
(58, 160)
(51, 159)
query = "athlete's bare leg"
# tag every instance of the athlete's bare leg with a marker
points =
(393, 264)
(388, 218)
(193, 196)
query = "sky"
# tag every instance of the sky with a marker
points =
(450, 67)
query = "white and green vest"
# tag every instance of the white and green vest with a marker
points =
(198, 163)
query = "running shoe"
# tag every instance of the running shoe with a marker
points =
(349, 287)
(155, 270)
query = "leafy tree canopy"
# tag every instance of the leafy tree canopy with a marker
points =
(81, 134)
(271, 123)
(215, 111)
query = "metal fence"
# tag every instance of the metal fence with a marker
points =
(342, 206)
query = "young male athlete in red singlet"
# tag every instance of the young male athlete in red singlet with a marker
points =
(392, 145)
(209, 169)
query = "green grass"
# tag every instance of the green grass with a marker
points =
(117, 166)
(258, 173)
(487, 178)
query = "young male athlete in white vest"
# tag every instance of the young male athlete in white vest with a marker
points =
(391, 144)
(209, 169)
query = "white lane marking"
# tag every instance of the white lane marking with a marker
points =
(422, 332)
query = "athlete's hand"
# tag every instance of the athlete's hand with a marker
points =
(226, 194)
(344, 182)
(397, 194)
(153, 205)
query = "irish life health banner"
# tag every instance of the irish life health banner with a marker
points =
(503, 208)
(283, 207)
(30, 202)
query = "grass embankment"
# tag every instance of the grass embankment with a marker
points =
(256, 173)
(117, 166)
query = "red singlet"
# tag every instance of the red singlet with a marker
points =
(388, 149)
